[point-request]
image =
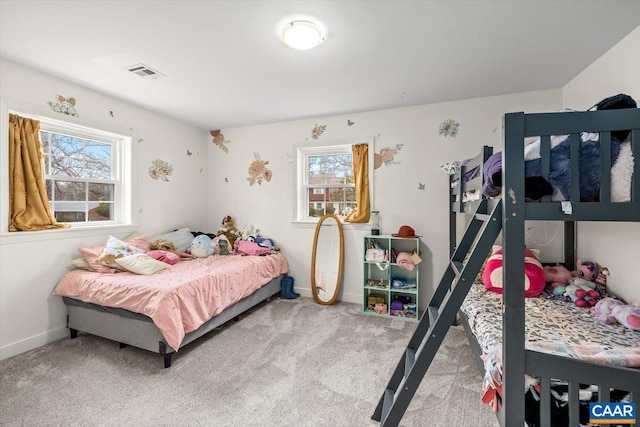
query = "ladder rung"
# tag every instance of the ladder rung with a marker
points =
(433, 313)
(409, 360)
(457, 267)
(388, 403)
(483, 217)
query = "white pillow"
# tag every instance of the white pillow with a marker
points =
(114, 249)
(181, 239)
(141, 264)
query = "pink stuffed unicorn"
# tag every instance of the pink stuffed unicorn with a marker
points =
(611, 310)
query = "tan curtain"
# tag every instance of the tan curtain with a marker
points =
(361, 174)
(28, 202)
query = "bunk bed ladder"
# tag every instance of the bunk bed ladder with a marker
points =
(477, 241)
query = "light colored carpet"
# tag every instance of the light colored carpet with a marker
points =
(284, 363)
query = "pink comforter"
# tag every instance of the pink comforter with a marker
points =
(179, 299)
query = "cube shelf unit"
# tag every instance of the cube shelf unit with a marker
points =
(381, 282)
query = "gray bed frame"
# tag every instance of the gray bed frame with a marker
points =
(128, 328)
(516, 360)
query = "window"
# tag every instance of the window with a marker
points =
(86, 174)
(325, 180)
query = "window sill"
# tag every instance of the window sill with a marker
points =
(16, 237)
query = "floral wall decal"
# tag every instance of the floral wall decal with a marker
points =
(449, 128)
(64, 105)
(317, 131)
(161, 170)
(421, 186)
(189, 152)
(350, 123)
(386, 156)
(258, 171)
(218, 139)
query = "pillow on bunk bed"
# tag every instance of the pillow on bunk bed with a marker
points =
(534, 274)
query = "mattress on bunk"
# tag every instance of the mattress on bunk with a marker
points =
(552, 326)
(181, 298)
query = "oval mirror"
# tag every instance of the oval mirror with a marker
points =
(326, 259)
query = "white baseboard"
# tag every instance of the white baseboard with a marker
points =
(346, 297)
(33, 342)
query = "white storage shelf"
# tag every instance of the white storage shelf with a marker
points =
(391, 285)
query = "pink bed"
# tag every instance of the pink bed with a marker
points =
(180, 299)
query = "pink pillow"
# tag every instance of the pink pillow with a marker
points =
(164, 256)
(91, 254)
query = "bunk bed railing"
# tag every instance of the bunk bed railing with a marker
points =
(546, 367)
(517, 127)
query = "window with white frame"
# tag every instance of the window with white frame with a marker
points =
(325, 181)
(87, 174)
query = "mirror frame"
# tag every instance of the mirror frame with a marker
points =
(313, 259)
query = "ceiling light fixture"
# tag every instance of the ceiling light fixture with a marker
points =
(302, 35)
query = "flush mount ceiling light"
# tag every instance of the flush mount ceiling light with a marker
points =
(302, 35)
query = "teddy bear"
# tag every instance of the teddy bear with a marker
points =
(534, 274)
(610, 310)
(228, 229)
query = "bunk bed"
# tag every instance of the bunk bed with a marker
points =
(522, 361)
(505, 213)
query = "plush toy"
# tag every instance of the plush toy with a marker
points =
(582, 292)
(627, 315)
(556, 276)
(534, 274)
(202, 246)
(166, 245)
(228, 229)
(603, 310)
(586, 270)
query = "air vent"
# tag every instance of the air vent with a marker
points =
(145, 71)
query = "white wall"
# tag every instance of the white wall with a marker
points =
(397, 197)
(31, 263)
(614, 245)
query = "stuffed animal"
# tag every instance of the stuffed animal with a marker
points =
(166, 245)
(582, 293)
(534, 274)
(627, 315)
(202, 246)
(586, 270)
(603, 310)
(228, 229)
(556, 276)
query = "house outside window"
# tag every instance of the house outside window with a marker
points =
(325, 180)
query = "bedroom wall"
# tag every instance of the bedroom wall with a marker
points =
(31, 263)
(415, 130)
(614, 245)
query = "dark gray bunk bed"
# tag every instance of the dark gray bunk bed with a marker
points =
(507, 214)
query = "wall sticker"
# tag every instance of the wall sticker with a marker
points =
(218, 139)
(449, 128)
(64, 105)
(258, 171)
(161, 170)
(317, 131)
(386, 156)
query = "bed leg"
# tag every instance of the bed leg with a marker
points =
(73, 333)
(122, 345)
(236, 319)
(162, 349)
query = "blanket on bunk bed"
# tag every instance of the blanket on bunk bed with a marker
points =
(558, 186)
(181, 298)
(552, 326)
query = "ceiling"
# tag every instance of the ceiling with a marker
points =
(225, 66)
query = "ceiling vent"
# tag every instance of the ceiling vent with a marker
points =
(145, 71)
